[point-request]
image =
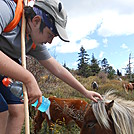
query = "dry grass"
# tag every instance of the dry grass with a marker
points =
(52, 86)
(60, 89)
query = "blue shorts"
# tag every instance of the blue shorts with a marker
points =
(6, 97)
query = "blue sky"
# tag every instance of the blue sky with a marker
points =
(102, 27)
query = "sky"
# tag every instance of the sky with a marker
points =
(104, 28)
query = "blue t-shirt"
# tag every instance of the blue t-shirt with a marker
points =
(10, 42)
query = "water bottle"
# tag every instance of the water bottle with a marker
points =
(15, 86)
(44, 105)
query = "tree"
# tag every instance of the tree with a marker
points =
(94, 66)
(110, 72)
(65, 66)
(119, 73)
(104, 65)
(83, 67)
(107, 69)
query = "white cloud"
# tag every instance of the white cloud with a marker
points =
(105, 41)
(101, 54)
(80, 27)
(116, 17)
(89, 44)
(124, 46)
(116, 24)
(75, 47)
(79, 7)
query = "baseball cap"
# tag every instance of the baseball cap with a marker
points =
(56, 10)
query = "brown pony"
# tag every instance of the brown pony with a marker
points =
(112, 115)
(128, 86)
(71, 110)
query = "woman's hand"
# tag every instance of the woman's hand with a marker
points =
(93, 95)
(33, 91)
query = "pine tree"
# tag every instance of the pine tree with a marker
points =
(111, 72)
(65, 66)
(107, 69)
(119, 73)
(83, 67)
(94, 66)
(104, 65)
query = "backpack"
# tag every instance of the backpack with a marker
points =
(17, 17)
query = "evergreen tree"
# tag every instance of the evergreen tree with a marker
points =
(104, 65)
(83, 67)
(119, 73)
(94, 66)
(111, 72)
(107, 69)
(65, 66)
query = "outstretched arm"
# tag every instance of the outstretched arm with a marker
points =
(13, 70)
(58, 70)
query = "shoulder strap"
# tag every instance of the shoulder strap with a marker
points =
(17, 17)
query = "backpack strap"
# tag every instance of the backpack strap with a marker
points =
(17, 17)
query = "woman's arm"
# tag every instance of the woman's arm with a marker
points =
(13, 70)
(55, 68)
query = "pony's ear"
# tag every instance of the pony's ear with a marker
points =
(109, 105)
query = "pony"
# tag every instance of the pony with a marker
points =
(67, 110)
(94, 85)
(112, 115)
(128, 86)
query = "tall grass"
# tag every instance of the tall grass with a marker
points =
(62, 90)
(52, 86)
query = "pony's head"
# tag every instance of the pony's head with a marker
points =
(112, 115)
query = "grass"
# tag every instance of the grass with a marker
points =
(55, 87)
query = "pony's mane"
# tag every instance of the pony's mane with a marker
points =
(122, 113)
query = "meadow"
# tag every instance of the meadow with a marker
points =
(52, 86)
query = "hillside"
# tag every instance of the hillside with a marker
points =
(52, 86)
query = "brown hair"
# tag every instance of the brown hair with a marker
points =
(29, 13)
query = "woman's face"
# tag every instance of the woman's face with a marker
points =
(37, 36)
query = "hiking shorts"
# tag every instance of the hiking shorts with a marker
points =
(6, 96)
